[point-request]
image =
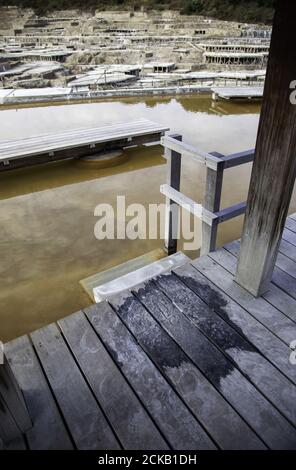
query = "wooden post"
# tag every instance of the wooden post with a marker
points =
(172, 209)
(212, 201)
(274, 168)
(14, 416)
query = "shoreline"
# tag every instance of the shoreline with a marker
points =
(65, 96)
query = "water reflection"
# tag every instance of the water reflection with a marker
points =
(57, 174)
(200, 120)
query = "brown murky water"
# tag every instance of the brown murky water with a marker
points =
(47, 242)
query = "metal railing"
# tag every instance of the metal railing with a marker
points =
(209, 212)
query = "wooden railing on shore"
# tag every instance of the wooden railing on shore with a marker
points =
(210, 212)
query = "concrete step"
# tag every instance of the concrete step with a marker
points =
(135, 277)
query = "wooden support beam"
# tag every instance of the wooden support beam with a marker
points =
(172, 210)
(274, 168)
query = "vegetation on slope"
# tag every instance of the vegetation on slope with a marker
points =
(256, 11)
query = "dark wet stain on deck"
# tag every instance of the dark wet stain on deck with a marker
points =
(200, 310)
(164, 343)
(151, 336)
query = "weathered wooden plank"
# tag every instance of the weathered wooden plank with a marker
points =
(9, 430)
(290, 224)
(229, 93)
(282, 301)
(12, 397)
(269, 424)
(84, 134)
(273, 348)
(289, 236)
(275, 295)
(201, 396)
(232, 341)
(128, 418)
(284, 281)
(167, 409)
(270, 316)
(48, 431)
(288, 249)
(14, 415)
(293, 216)
(286, 264)
(274, 167)
(118, 128)
(80, 410)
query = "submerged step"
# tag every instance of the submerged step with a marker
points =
(102, 277)
(131, 279)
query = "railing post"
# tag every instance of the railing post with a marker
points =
(172, 209)
(274, 169)
(212, 201)
(14, 416)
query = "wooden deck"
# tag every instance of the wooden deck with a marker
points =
(237, 93)
(77, 143)
(186, 360)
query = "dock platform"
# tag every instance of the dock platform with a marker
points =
(237, 93)
(77, 143)
(185, 360)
